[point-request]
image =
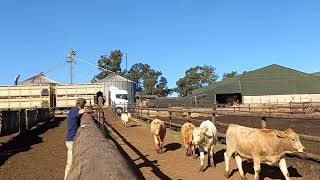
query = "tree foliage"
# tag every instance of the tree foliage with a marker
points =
(229, 75)
(149, 81)
(111, 63)
(194, 78)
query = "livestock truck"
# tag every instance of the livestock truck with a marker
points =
(60, 96)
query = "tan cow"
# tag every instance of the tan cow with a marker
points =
(260, 145)
(158, 130)
(186, 131)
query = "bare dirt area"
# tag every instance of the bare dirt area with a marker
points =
(38, 154)
(137, 142)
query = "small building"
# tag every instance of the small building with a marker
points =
(272, 84)
(121, 83)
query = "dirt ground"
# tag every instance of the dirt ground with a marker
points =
(137, 142)
(38, 154)
(41, 154)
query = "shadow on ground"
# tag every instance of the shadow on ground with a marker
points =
(24, 141)
(272, 172)
(172, 146)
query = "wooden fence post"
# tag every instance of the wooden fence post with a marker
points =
(263, 122)
(189, 114)
(170, 118)
(157, 113)
(213, 117)
(148, 116)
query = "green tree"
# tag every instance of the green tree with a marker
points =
(196, 77)
(111, 63)
(229, 75)
(149, 81)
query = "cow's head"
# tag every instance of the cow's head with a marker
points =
(197, 135)
(293, 138)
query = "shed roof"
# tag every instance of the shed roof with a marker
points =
(269, 80)
(114, 78)
(316, 74)
(38, 79)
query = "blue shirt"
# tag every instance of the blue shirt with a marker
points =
(73, 123)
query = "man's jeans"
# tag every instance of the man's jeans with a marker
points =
(69, 160)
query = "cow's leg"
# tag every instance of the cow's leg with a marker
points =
(161, 145)
(156, 143)
(283, 168)
(239, 165)
(212, 164)
(256, 167)
(194, 151)
(201, 150)
(227, 156)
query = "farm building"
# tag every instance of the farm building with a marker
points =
(38, 79)
(271, 84)
(120, 83)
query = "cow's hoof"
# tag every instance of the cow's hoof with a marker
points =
(201, 168)
(194, 156)
(213, 165)
(244, 178)
(226, 175)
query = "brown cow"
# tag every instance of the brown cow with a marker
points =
(186, 131)
(260, 145)
(158, 130)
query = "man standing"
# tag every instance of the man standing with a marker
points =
(73, 119)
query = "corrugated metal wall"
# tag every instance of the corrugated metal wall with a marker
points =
(124, 85)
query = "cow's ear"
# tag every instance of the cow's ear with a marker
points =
(281, 134)
(289, 130)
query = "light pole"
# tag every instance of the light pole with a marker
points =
(129, 93)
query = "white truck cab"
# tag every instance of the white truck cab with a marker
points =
(118, 99)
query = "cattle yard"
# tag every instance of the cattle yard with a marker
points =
(135, 143)
(173, 164)
(306, 125)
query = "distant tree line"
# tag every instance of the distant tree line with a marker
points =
(151, 81)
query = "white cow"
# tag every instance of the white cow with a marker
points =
(125, 118)
(205, 137)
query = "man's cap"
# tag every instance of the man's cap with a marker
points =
(81, 102)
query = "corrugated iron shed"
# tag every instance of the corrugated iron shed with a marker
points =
(269, 80)
(114, 78)
(38, 79)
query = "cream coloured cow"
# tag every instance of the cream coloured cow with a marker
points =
(125, 118)
(158, 130)
(260, 145)
(205, 137)
(186, 131)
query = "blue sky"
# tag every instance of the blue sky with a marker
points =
(169, 35)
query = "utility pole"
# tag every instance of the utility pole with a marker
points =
(129, 93)
(70, 60)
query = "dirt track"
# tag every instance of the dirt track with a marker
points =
(137, 142)
(39, 154)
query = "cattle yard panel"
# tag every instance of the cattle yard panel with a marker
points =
(151, 113)
(13, 121)
(67, 94)
(24, 96)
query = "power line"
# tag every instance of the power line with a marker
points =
(54, 67)
(94, 65)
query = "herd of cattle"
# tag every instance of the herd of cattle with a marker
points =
(267, 146)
